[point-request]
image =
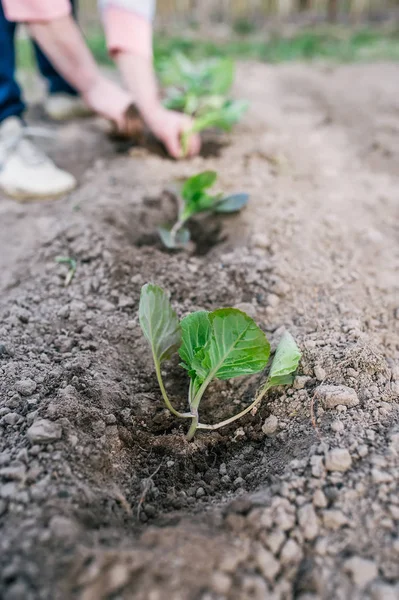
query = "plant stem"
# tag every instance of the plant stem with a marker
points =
(165, 395)
(175, 229)
(257, 401)
(185, 138)
(194, 425)
(194, 408)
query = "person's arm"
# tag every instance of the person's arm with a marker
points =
(52, 26)
(129, 37)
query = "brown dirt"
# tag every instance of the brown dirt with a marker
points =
(120, 506)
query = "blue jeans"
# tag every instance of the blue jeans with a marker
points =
(11, 102)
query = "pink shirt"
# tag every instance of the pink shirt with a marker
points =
(127, 23)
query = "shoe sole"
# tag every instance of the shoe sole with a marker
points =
(69, 116)
(25, 197)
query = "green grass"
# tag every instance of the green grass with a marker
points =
(329, 43)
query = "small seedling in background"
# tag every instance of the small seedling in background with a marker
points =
(71, 262)
(194, 199)
(224, 117)
(221, 344)
(201, 91)
(191, 84)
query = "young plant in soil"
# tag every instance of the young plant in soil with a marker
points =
(221, 344)
(71, 263)
(194, 199)
(201, 91)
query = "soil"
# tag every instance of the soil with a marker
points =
(101, 497)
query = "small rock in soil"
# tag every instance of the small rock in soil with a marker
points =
(331, 396)
(379, 476)
(11, 418)
(361, 570)
(25, 387)
(334, 519)
(308, 521)
(338, 459)
(221, 583)
(300, 381)
(319, 499)
(63, 528)
(200, 492)
(44, 431)
(275, 540)
(270, 425)
(267, 564)
(337, 426)
(291, 553)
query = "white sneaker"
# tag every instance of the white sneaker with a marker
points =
(26, 173)
(61, 107)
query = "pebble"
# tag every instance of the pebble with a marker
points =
(200, 492)
(317, 464)
(275, 540)
(63, 528)
(221, 583)
(273, 300)
(223, 469)
(261, 240)
(267, 564)
(8, 490)
(284, 514)
(125, 301)
(44, 431)
(270, 425)
(337, 426)
(11, 418)
(300, 381)
(361, 570)
(291, 553)
(26, 387)
(379, 476)
(334, 519)
(308, 521)
(362, 450)
(320, 373)
(338, 459)
(331, 396)
(319, 499)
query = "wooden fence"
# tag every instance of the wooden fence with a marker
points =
(203, 12)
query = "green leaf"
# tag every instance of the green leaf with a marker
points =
(285, 361)
(220, 75)
(232, 203)
(236, 347)
(223, 118)
(196, 329)
(197, 184)
(171, 242)
(159, 322)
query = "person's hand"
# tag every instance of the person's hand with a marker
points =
(112, 102)
(168, 126)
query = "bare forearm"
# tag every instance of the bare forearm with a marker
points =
(63, 43)
(138, 74)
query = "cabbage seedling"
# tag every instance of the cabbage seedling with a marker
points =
(194, 199)
(223, 117)
(221, 344)
(200, 90)
(190, 85)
